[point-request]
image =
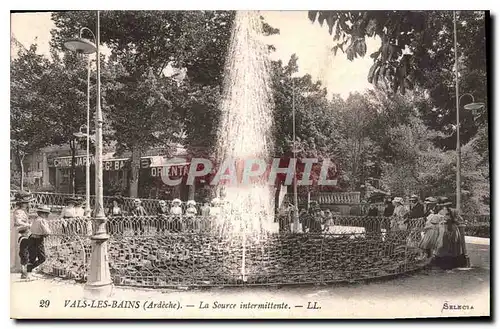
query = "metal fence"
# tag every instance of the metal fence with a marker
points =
(200, 251)
(172, 251)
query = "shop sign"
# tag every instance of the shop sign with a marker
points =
(173, 171)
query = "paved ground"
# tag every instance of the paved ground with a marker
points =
(423, 294)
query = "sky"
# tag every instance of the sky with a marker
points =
(310, 42)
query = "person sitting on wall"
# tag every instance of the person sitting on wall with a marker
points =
(176, 212)
(163, 217)
(39, 231)
(139, 212)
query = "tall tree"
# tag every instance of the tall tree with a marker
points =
(48, 101)
(417, 50)
(183, 39)
(141, 111)
(28, 131)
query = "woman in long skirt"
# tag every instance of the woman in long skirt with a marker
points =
(430, 236)
(19, 220)
(449, 251)
(430, 240)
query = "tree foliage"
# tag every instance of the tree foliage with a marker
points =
(28, 131)
(141, 112)
(412, 42)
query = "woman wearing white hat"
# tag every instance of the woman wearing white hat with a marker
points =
(400, 211)
(176, 211)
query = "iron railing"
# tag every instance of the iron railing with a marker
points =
(200, 251)
(170, 251)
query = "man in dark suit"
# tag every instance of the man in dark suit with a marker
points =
(416, 208)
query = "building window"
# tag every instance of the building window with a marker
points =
(39, 166)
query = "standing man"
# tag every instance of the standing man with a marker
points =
(139, 212)
(416, 208)
(162, 212)
(416, 211)
(388, 212)
(372, 225)
(39, 231)
(430, 206)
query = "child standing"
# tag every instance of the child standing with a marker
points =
(24, 250)
(39, 231)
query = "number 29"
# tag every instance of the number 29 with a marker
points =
(44, 303)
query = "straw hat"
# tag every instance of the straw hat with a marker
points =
(430, 199)
(176, 201)
(191, 203)
(398, 200)
(21, 201)
(43, 209)
(215, 201)
(414, 197)
(444, 201)
(23, 197)
(72, 199)
(137, 201)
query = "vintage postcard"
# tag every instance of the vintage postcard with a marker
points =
(249, 164)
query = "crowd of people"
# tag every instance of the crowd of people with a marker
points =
(173, 217)
(28, 236)
(432, 224)
(437, 232)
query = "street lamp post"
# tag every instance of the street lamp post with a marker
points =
(99, 278)
(470, 106)
(458, 113)
(79, 134)
(83, 46)
(294, 150)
